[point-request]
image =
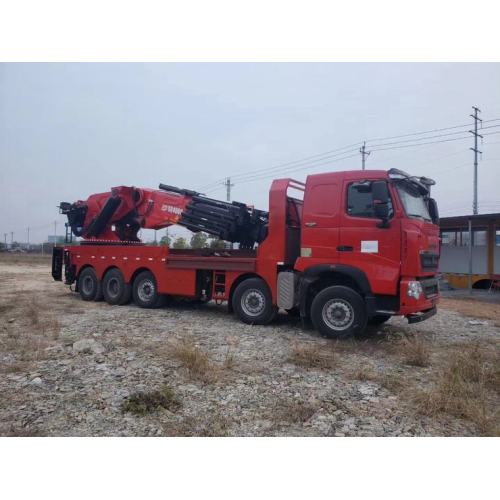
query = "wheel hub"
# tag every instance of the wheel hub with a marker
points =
(253, 302)
(113, 287)
(338, 314)
(146, 290)
(87, 284)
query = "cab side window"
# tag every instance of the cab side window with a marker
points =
(360, 200)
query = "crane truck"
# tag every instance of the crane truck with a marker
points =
(342, 250)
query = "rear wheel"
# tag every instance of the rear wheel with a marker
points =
(115, 290)
(89, 286)
(252, 302)
(145, 291)
(339, 312)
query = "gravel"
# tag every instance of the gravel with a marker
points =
(73, 378)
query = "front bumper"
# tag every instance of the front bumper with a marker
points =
(424, 307)
(421, 316)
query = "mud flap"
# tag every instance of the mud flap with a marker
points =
(57, 263)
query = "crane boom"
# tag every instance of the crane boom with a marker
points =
(118, 215)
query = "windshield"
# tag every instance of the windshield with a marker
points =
(413, 201)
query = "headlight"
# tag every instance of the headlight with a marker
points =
(414, 289)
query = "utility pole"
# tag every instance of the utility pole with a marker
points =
(11, 238)
(28, 238)
(364, 154)
(228, 185)
(5, 238)
(476, 151)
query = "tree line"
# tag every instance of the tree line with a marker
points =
(198, 240)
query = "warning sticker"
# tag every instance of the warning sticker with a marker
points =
(369, 246)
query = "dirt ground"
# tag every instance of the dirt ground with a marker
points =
(73, 368)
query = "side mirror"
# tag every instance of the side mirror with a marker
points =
(381, 210)
(380, 195)
(380, 192)
(433, 211)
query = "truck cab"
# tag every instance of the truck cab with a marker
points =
(369, 249)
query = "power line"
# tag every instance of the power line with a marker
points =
(422, 138)
(432, 142)
(423, 132)
(315, 164)
(284, 170)
(325, 155)
(430, 131)
(319, 157)
(296, 169)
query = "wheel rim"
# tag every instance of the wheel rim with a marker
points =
(87, 285)
(113, 287)
(253, 302)
(338, 314)
(146, 290)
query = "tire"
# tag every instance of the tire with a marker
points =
(145, 291)
(253, 303)
(379, 319)
(114, 288)
(89, 286)
(339, 312)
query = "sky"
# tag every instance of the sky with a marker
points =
(70, 130)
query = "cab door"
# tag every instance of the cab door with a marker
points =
(363, 244)
(320, 222)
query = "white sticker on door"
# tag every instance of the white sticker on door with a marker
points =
(369, 246)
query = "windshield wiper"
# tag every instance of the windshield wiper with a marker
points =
(419, 216)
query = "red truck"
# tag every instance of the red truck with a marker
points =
(343, 250)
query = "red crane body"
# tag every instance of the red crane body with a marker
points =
(351, 248)
(145, 208)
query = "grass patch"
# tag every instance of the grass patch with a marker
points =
(140, 403)
(215, 425)
(393, 382)
(312, 356)
(364, 374)
(26, 258)
(414, 350)
(465, 388)
(293, 411)
(196, 361)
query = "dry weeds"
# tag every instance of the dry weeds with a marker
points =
(393, 382)
(140, 403)
(312, 356)
(25, 258)
(293, 411)
(215, 425)
(472, 307)
(414, 350)
(465, 388)
(197, 362)
(364, 373)
(29, 328)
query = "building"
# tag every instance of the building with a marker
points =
(480, 260)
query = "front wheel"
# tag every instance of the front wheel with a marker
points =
(253, 303)
(339, 312)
